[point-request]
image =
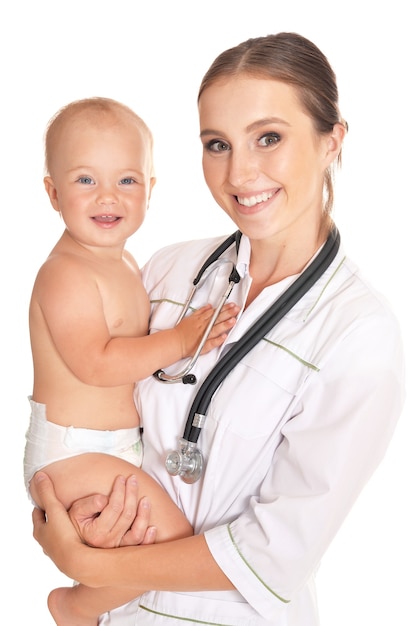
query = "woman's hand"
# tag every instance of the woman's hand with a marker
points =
(99, 521)
(119, 520)
(53, 530)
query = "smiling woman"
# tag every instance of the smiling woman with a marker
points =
(254, 161)
(302, 421)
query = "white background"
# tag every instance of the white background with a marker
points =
(152, 55)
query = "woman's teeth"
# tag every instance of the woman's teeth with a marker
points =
(262, 197)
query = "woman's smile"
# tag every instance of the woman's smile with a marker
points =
(253, 200)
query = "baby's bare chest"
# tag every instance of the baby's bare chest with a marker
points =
(125, 303)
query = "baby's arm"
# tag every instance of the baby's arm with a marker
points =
(97, 341)
(129, 359)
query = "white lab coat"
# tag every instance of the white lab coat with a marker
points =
(291, 436)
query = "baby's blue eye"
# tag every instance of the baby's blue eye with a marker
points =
(86, 180)
(127, 181)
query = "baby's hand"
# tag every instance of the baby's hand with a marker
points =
(192, 328)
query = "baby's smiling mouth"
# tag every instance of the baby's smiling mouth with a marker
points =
(106, 218)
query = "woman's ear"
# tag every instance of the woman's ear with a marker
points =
(52, 192)
(335, 141)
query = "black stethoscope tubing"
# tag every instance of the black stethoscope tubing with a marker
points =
(259, 329)
(232, 239)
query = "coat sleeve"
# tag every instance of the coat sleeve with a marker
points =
(335, 439)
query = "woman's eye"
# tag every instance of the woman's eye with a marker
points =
(127, 181)
(85, 180)
(270, 139)
(216, 145)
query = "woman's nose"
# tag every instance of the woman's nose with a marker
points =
(242, 167)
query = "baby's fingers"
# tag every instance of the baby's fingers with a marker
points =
(228, 312)
(224, 323)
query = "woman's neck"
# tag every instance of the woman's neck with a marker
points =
(277, 258)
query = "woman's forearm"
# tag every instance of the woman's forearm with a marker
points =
(181, 565)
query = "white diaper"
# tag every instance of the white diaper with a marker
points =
(47, 442)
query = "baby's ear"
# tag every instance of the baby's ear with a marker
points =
(151, 186)
(52, 192)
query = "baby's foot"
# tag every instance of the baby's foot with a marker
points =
(60, 607)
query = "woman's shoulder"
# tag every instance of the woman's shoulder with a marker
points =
(361, 289)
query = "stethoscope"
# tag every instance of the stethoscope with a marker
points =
(187, 461)
(212, 262)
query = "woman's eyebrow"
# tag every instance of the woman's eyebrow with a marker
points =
(265, 121)
(209, 131)
(253, 126)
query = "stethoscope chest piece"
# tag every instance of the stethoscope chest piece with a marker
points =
(186, 462)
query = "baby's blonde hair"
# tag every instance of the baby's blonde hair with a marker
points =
(94, 109)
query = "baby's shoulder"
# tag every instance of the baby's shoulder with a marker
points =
(61, 272)
(62, 262)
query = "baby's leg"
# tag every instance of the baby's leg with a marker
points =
(93, 473)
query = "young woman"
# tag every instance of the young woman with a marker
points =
(300, 423)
